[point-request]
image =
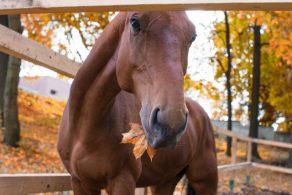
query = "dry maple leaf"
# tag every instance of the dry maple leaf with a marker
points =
(137, 137)
(140, 146)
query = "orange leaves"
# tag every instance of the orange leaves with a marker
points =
(137, 137)
(151, 152)
(134, 135)
(46, 28)
(39, 104)
(39, 119)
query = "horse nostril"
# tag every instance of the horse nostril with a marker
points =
(154, 117)
(186, 121)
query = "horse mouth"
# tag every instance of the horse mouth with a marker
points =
(161, 135)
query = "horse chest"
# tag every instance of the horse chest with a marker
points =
(167, 163)
(99, 164)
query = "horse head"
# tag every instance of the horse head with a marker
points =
(151, 63)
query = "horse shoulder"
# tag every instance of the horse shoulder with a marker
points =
(201, 123)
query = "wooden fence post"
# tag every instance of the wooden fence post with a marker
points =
(234, 149)
(249, 147)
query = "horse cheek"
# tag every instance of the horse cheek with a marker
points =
(124, 78)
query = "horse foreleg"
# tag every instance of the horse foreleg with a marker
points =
(125, 182)
(202, 173)
(166, 188)
(80, 189)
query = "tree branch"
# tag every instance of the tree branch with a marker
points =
(222, 67)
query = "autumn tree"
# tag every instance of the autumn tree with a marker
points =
(57, 31)
(275, 53)
(255, 90)
(3, 72)
(275, 62)
(10, 109)
(227, 72)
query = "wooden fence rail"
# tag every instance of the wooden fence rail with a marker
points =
(15, 184)
(234, 166)
(50, 6)
(36, 183)
(252, 140)
(16, 45)
(19, 184)
(249, 141)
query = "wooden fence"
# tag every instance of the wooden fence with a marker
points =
(21, 47)
(41, 6)
(34, 183)
(16, 45)
(249, 142)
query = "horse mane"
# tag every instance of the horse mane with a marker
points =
(102, 51)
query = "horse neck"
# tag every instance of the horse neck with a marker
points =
(95, 85)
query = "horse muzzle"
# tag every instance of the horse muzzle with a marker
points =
(165, 127)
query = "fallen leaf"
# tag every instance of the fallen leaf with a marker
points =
(137, 137)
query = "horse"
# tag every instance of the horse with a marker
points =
(135, 74)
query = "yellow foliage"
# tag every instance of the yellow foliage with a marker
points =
(276, 60)
(44, 28)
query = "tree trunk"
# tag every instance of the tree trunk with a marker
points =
(254, 123)
(228, 84)
(3, 71)
(12, 129)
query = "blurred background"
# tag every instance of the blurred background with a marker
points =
(239, 70)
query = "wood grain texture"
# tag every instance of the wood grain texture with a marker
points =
(272, 168)
(33, 183)
(235, 166)
(253, 140)
(16, 45)
(249, 154)
(230, 167)
(15, 184)
(53, 6)
(234, 150)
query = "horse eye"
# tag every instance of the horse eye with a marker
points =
(135, 24)
(194, 37)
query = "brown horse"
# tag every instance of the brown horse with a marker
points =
(134, 73)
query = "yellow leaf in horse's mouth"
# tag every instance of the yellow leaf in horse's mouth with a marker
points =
(137, 137)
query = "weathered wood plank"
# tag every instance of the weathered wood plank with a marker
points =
(15, 184)
(16, 45)
(272, 168)
(50, 6)
(253, 140)
(229, 167)
(272, 143)
(223, 131)
(249, 151)
(233, 166)
(234, 150)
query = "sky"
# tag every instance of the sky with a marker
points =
(199, 66)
